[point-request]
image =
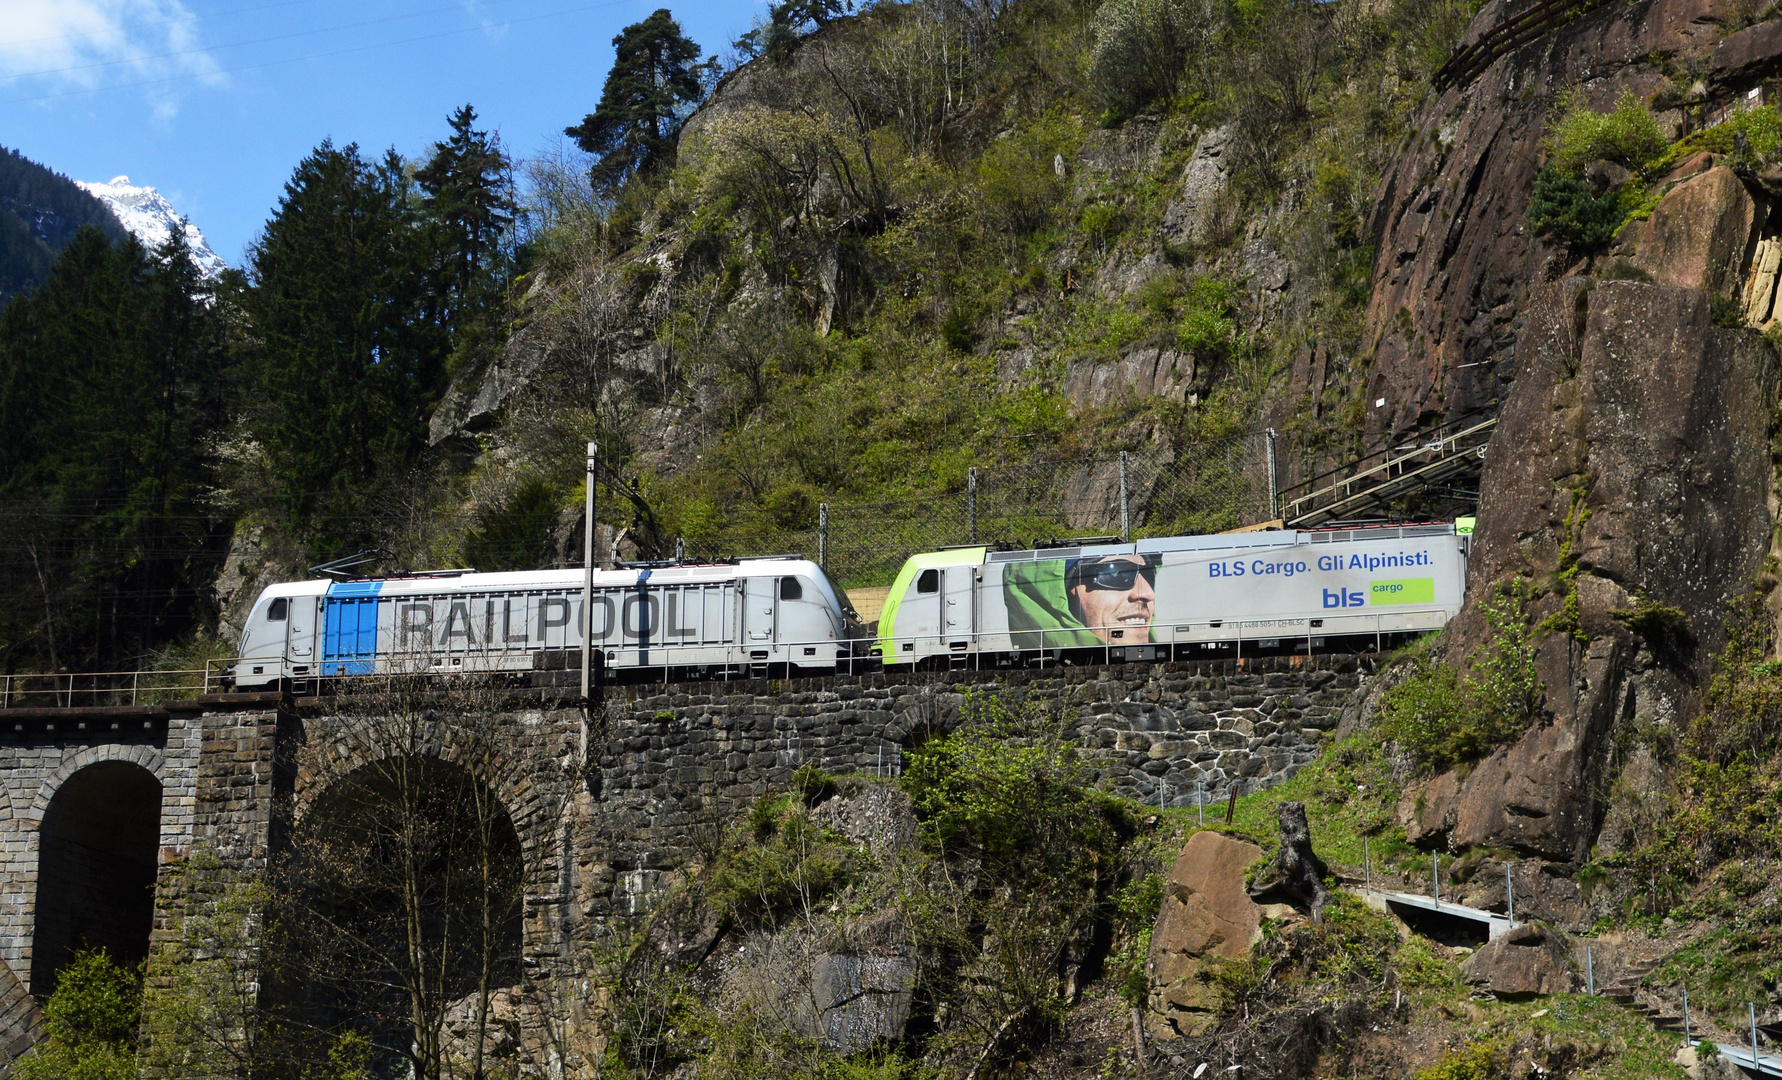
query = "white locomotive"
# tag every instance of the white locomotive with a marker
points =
(1231, 594)
(751, 615)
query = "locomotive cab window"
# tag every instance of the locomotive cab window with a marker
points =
(790, 589)
(929, 581)
(278, 610)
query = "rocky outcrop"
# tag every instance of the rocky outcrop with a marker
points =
(1195, 217)
(1634, 449)
(1701, 233)
(1528, 962)
(1455, 261)
(1144, 372)
(1746, 54)
(1206, 915)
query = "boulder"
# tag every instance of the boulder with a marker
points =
(847, 986)
(857, 1000)
(1206, 915)
(1698, 236)
(1530, 961)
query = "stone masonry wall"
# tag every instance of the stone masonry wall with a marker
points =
(676, 759)
(608, 809)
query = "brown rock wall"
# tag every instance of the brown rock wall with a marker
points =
(1455, 261)
(1701, 234)
(1635, 441)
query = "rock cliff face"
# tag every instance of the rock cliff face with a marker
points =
(1632, 461)
(1633, 447)
(1456, 263)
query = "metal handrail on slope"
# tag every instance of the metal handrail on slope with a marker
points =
(1515, 31)
(1434, 461)
(1400, 443)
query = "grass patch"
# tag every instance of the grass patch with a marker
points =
(1350, 796)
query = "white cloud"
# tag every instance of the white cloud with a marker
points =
(58, 45)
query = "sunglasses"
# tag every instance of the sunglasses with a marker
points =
(1114, 576)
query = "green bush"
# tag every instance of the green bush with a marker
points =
(1480, 1061)
(1018, 174)
(1018, 801)
(959, 329)
(1135, 908)
(780, 863)
(1442, 719)
(1571, 212)
(1208, 326)
(1761, 127)
(1100, 220)
(812, 784)
(1628, 135)
(92, 1019)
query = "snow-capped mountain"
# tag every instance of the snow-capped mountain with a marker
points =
(151, 218)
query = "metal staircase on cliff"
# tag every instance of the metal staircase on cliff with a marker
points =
(1673, 1015)
(1450, 453)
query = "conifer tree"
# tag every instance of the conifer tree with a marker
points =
(113, 378)
(655, 82)
(349, 364)
(466, 181)
(787, 22)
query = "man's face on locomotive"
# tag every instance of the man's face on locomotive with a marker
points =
(1114, 593)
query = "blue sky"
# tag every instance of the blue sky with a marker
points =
(215, 101)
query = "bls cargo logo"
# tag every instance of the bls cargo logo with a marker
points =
(1404, 591)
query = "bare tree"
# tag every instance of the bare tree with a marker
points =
(400, 896)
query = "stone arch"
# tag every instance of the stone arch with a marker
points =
(342, 745)
(147, 757)
(352, 857)
(98, 841)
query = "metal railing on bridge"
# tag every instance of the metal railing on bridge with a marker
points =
(1235, 639)
(67, 690)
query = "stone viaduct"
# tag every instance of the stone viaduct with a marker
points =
(100, 808)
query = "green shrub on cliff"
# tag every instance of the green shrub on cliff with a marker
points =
(1628, 135)
(779, 863)
(1726, 772)
(1442, 719)
(1572, 212)
(1762, 128)
(1023, 857)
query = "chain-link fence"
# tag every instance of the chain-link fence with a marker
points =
(1192, 488)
